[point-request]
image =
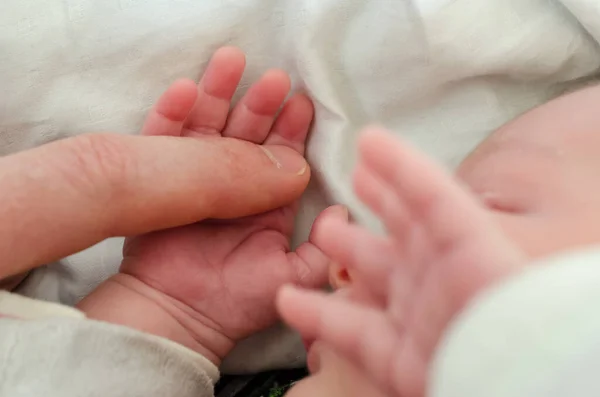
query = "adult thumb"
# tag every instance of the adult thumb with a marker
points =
(68, 195)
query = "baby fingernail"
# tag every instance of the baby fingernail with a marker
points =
(286, 159)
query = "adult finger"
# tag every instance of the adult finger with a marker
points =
(65, 196)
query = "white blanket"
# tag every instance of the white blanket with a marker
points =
(443, 73)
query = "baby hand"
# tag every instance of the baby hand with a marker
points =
(442, 249)
(212, 283)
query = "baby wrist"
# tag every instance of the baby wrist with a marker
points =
(124, 300)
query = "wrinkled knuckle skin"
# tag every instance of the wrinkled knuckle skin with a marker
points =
(99, 165)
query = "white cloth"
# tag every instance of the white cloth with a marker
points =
(443, 73)
(537, 335)
(52, 350)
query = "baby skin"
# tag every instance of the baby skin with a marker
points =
(212, 283)
(443, 247)
(526, 192)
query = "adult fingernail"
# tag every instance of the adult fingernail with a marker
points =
(286, 159)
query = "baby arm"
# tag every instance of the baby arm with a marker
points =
(127, 301)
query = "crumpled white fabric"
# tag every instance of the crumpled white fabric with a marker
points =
(536, 335)
(442, 73)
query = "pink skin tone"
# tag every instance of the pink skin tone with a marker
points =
(538, 175)
(435, 258)
(530, 191)
(212, 283)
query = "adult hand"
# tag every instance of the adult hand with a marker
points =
(65, 196)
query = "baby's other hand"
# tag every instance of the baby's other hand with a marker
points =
(442, 248)
(212, 283)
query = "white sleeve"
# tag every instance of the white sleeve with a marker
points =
(53, 351)
(537, 335)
